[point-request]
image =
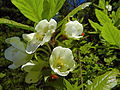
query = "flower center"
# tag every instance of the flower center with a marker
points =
(60, 65)
(39, 36)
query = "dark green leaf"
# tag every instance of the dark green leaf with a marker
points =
(68, 85)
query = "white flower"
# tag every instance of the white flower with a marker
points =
(73, 29)
(44, 31)
(16, 53)
(61, 61)
(109, 7)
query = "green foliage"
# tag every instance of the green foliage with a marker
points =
(74, 11)
(101, 19)
(51, 7)
(105, 81)
(34, 74)
(32, 9)
(102, 4)
(38, 9)
(68, 85)
(96, 26)
(111, 34)
(2, 75)
(0, 87)
(15, 24)
(116, 18)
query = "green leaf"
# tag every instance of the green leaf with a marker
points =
(59, 4)
(68, 85)
(15, 24)
(46, 9)
(80, 7)
(0, 87)
(105, 81)
(96, 26)
(111, 34)
(113, 15)
(118, 13)
(32, 9)
(32, 77)
(117, 17)
(34, 74)
(51, 7)
(102, 4)
(73, 12)
(57, 84)
(102, 17)
(2, 75)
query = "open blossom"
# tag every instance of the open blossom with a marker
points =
(44, 31)
(73, 29)
(109, 7)
(16, 53)
(61, 61)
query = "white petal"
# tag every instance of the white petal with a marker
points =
(79, 27)
(61, 73)
(15, 42)
(21, 58)
(47, 37)
(16, 56)
(10, 52)
(28, 66)
(28, 37)
(32, 46)
(52, 24)
(76, 37)
(42, 26)
(73, 29)
(12, 66)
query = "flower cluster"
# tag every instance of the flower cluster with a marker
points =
(61, 60)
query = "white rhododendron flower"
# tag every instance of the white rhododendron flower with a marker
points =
(73, 29)
(44, 31)
(61, 61)
(16, 53)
